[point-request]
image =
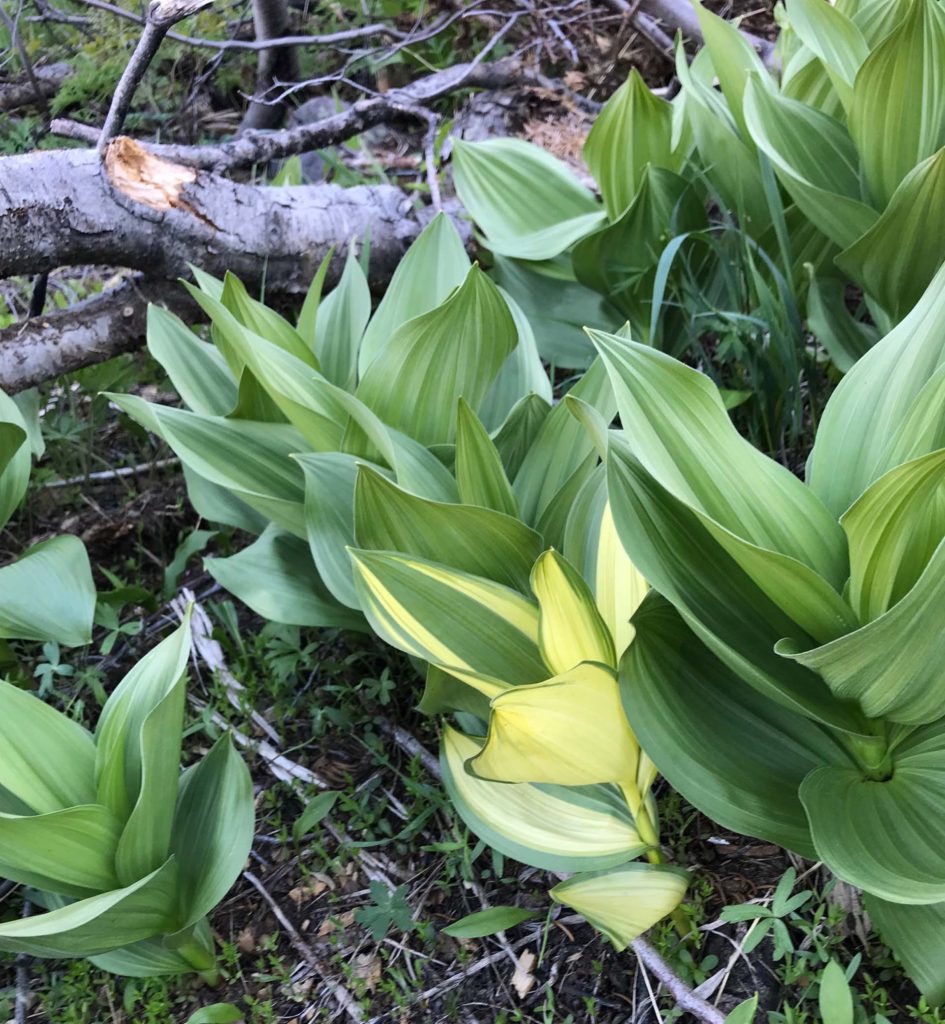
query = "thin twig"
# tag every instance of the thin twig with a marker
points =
(22, 1004)
(162, 14)
(411, 745)
(106, 475)
(340, 994)
(682, 995)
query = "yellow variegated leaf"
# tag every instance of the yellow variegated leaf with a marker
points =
(571, 629)
(619, 585)
(546, 826)
(470, 626)
(570, 730)
(624, 902)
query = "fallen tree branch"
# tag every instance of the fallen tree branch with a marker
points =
(46, 79)
(275, 64)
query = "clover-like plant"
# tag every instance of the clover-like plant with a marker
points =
(127, 855)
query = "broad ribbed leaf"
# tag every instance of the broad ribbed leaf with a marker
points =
(570, 628)
(480, 474)
(277, 578)
(560, 447)
(48, 594)
(569, 730)
(902, 860)
(125, 757)
(869, 425)
(342, 318)
(514, 439)
(100, 923)
(897, 258)
(729, 611)
(626, 901)
(48, 759)
(470, 626)
(591, 543)
(814, 158)
(893, 529)
(548, 827)
(835, 39)
(733, 59)
(257, 317)
(149, 958)
(329, 518)
(196, 368)
(676, 693)
(308, 314)
(71, 852)
(14, 458)
(677, 426)
(633, 130)
(917, 936)
(475, 540)
(250, 459)
(525, 201)
(456, 349)
(893, 665)
(901, 83)
(432, 267)
(219, 505)
(213, 829)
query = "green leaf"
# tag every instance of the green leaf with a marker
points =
(192, 544)
(342, 318)
(149, 958)
(329, 519)
(560, 447)
(250, 459)
(834, 38)
(475, 540)
(132, 766)
(472, 627)
(308, 314)
(217, 1013)
(901, 83)
(97, 924)
(480, 474)
(633, 130)
(917, 936)
(315, 810)
(871, 423)
(434, 265)
(898, 256)
(71, 851)
(276, 577)
(836, 999)
(549, 827)
(213, 829)
(488, 922)
(526, 202)
(814, 158)
(514, 439)
(893, 529)
(14, 458)
(744, 1013)
(675, 693)
(892, 666)
(678, 428)
(218, 505)
(625, 901)
(48, 759)
(558, 307)
(901, 861)
(48, 594)
(455, 349)
(196, 369)
(257, 317)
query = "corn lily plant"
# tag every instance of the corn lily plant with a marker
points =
(831, 165)
(799, 624)
(48, 593)
(523, 651)
(280, 418)
(127, 854)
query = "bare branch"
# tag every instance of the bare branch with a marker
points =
(46, 80)
(275, 64)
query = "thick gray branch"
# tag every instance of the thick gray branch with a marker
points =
(23, 93)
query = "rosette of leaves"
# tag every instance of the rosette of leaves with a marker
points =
(440, 391)
(47, 594)
(786, 675)
(127, 855)
(830, 165)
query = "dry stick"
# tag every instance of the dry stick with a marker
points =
(340, 994)
(684, 997)
(22, 1003)
(106, 475)
(17, 42)
(161, 15)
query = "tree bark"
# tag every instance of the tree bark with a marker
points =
(22, 93)
(274, 65)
